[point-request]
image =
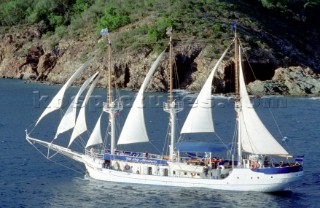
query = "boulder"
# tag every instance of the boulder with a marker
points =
(296, 81)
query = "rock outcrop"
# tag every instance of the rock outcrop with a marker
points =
(297, 81)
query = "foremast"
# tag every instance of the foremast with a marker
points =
(172, 107)
(113, 107)
(237, 97)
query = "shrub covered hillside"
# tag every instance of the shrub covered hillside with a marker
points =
(199, 18)
(275, 33)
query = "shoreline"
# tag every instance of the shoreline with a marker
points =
(182, 91)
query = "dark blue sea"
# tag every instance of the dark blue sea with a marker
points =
(27, 179)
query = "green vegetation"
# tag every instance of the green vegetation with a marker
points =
(113, 14)
(304, 10)
(147, 20)
(114, 18)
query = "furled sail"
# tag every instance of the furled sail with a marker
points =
(200, 115)
(56, 102)
(81, 125)
(95, 137)
(134, 129)
(69, 119)
(255, 137)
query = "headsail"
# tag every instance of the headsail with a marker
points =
(81, 125)
(95, 137)
(69, 119)
(56, 102)
(255, 137)
(200, 115)
(134, 129)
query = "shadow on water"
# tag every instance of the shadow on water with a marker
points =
(284, 194)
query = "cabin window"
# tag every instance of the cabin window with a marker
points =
(185, 173)
(174, 172)
(149, 170)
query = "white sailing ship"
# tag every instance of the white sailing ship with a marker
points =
(250, 168)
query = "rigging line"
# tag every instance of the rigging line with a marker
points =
(49, 158)
(53, 155)
(220, 139)
(65, 166)
(234, 139)
(175, 68)
(278, 127)
(242, 49)
(61, 115)
(232, 69)
(166, 141)
(276, 123)
(105, 139)
(155, 147)
(33, 127)
(81, 141)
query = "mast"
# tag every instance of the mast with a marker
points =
(172, 107)
(111, 112)
(109, 73)
(111, 107)
(170, 69)
(237, 97)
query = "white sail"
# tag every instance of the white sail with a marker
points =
(81, 125)
(255, 137)
(69, 119)
(134, 129)
(200, 115)
(56, 102)
(95, 137)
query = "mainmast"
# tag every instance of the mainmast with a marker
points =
(112, 107)
(172, 106)
(237, 97)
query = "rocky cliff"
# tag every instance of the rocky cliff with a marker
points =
(31, 56)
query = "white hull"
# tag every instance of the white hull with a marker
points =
(236, 179)
(239, 179)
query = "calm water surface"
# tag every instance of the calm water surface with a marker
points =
(29, 180)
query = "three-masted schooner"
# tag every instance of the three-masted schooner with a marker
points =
(251, 168)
